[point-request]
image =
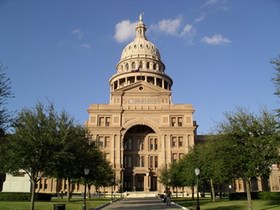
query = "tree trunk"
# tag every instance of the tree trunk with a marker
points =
(69, 190)
(193, 192)
(89, 195)
(248, 190)
(212, 191)
(32, 194)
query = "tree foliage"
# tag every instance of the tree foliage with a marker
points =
(5, 94)
(45, 143)
(256, 140)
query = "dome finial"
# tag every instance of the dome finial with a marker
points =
(141, 16)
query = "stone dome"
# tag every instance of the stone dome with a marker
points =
(140, 47)
(140, 53)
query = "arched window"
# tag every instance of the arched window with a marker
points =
(148, 65)
(133, 65)
(154, 66)
(126, 66)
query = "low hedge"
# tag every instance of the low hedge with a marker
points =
(269, 195)
(255, 195)
(242, 196)
(14, 196)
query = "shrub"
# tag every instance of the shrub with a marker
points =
(242, 196)
(15, 196)
(269, 195)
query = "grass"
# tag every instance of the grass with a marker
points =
(206, 204)
(75, 204)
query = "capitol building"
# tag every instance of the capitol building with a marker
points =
(141, 131)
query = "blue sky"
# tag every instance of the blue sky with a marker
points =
(217, 52)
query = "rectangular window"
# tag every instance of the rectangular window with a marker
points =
(101, 121)
(100, 142)
(173, 121)
(151, 161)
(174, 141)
(128, 161)
(176, 121)
(107, 121)
(45, 184)
(156, 144)
(174, 157)
(151, 143)
(107, 141)
(128, 144)
(180, 121)
(180, 141)
(156, 161)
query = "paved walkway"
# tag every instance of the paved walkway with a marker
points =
(140, 203)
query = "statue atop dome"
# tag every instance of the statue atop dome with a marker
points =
(141, 16)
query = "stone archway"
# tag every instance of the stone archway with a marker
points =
(140, 158)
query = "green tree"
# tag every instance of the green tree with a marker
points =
(31, 146)
(256, 139)
(276, 79)
(71, 146)
(5, 118)
(188, 165)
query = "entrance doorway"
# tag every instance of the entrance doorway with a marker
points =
(153, 183)
(139, 182)
(140, 157)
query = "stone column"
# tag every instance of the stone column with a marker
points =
(146, 183)
(133, 182)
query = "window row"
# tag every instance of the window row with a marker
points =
(176, 156)
(177, 141)
(140, 161)
(140, 65)
(104, 121)
(103, 141)
(140, 145)
(176, 121)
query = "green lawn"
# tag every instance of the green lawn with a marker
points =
(75, 204)
(206, 204)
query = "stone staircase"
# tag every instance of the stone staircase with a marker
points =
(138, 194)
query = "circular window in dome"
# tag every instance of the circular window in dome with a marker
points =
(141, 88)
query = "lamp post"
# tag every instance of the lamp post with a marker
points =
(197, 172)
(86, 172)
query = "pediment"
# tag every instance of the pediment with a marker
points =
(142, 87)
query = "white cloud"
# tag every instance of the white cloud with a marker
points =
(170, 26)
(124, 31)
(175, 27)
(216, 39)
(219, 4)
(78, 33)
(211, 2)
(86, 46)
(200, 18)
(188, 29)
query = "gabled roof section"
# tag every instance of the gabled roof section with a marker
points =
(142, 87)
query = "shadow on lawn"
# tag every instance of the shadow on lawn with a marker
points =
(231, 207)
(272, 205)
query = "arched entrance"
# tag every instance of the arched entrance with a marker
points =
(140, 159)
